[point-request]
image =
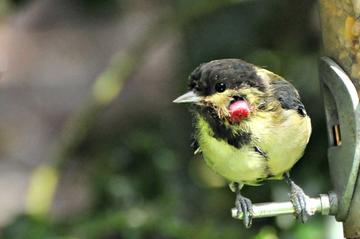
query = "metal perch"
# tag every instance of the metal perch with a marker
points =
(325, 204)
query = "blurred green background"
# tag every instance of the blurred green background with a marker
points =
(91, 145)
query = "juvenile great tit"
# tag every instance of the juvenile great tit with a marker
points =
(250, 126)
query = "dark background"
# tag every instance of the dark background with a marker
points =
(85, 97)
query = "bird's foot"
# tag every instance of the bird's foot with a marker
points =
(244, 206)
(300, 202)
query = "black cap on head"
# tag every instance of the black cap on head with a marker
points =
(216, 76)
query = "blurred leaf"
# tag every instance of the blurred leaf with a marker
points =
(41, 190)
(267, 233)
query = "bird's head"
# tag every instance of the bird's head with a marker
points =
(232, 88)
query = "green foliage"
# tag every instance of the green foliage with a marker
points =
(29, 228)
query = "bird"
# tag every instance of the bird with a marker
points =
(250, 126)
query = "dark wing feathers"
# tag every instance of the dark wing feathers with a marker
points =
(287, 95)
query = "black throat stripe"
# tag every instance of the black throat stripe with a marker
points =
(220, 130)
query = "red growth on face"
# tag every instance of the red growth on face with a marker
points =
(239, 110)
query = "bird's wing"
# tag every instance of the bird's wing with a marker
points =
(287, 95)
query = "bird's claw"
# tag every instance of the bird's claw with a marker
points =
(244, 205)
(299, 200)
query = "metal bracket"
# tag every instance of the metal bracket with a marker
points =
(342, 114)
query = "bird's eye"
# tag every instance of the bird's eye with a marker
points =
(220, 87)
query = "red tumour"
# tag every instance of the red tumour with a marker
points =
(239, 110)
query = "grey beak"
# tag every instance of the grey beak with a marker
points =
(189, 97)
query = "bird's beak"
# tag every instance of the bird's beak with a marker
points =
(189, 97)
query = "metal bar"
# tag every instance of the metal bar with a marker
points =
(324, 204)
